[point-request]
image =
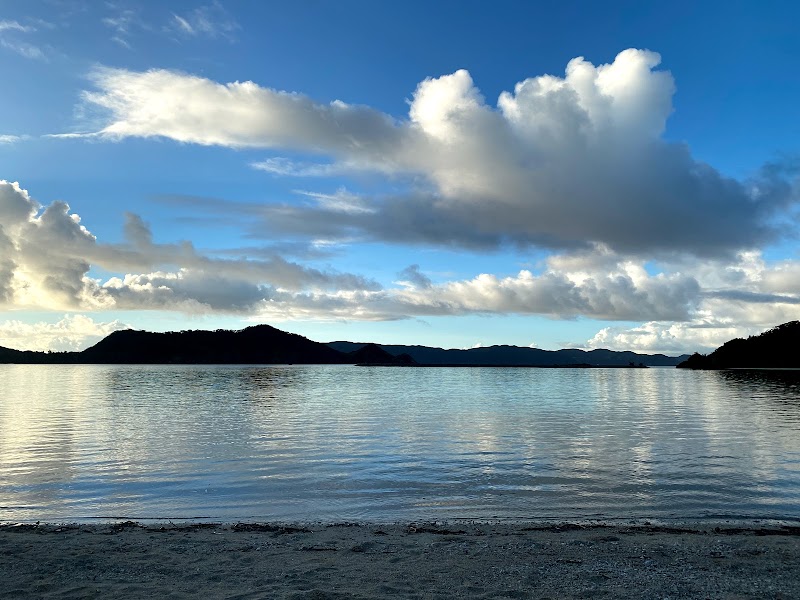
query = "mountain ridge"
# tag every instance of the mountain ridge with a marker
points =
(506, 355)
(264, 344)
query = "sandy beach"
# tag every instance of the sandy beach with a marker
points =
(454, 560)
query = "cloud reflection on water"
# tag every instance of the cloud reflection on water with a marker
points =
(338, 442)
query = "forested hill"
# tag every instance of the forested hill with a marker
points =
(263, 344)
(9, 355)
(776, 348)
(260, 344)
(520, 356)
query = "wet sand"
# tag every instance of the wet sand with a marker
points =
(201, 560)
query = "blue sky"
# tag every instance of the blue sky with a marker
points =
(618, 175)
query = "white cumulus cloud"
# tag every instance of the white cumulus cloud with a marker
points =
(559, 162)
(71, 333)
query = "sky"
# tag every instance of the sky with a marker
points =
(620, 175)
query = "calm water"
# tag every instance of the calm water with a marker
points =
(337, 443)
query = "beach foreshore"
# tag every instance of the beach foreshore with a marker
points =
(417, 560)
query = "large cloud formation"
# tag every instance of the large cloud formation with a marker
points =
(47, 255)
(560, 162)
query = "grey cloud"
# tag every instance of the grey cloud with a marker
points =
(659, 204)
(187, 290)
(417, 219)
(136, 231)
(7, 268)
(206, 203)
(16, 207)
(144, 255)
(298, 249)
(613, 297)
(752, 297)
(412, 275)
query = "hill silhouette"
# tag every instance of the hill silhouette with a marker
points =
(776, 348)
(260, 344)
(263, 344)
(9, 355)
(519, 356)
(372, 354)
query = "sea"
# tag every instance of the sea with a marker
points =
(337, 444)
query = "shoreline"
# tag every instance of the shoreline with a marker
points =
(412, 560)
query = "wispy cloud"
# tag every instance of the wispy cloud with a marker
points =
(340, 202)
(286, 167)
(24, 49)
(125, 23)
(15, 26)
(9, 39)
(210, 20)
(73, 135)
(11, 139)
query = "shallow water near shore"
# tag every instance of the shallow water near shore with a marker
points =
(341, 443)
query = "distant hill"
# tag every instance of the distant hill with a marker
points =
(27, 357)
(519, 356)
(8, 355)
(372, 354)
(260, 344)
(263, 344)
(776, 348)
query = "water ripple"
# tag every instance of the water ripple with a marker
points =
(338, 443)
